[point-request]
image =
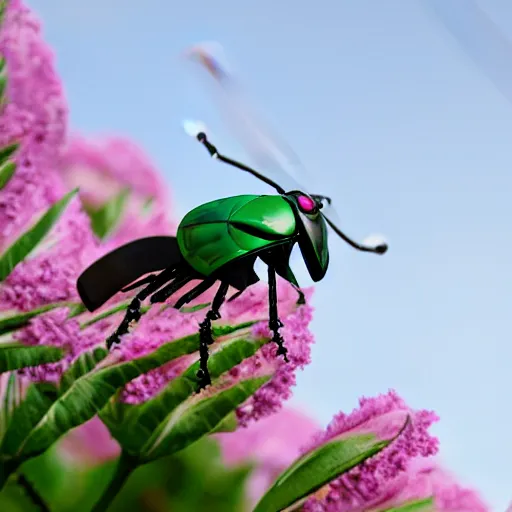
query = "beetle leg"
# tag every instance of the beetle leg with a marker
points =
(133, 313)
(140, 282)
(236, 295)
(195, 292)
(163, 294)
(274, 322)
(205, 335)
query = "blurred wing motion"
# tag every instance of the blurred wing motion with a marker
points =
(480, 37)
(271, 155)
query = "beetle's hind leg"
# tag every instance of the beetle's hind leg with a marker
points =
(274, 322)
(206, 337)
(133, 313)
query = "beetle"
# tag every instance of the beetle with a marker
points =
(219, 242)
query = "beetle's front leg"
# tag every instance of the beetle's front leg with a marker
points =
(274, 322)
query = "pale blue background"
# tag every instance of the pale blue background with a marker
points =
(412, 140)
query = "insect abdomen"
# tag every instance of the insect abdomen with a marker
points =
(221, 231)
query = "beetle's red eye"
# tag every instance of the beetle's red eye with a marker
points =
(307, 205)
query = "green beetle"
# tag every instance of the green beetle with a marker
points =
(218, 242)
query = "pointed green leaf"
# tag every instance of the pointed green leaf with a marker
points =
(109, 312)
(85, 389)
(14, 356)
(6, 173)
(76, 309)
(11, 394)
(105, 219)
(12, 320)
(426, 505)
(27, 242)
(2, 61)
(147, 205)
(24, 418)
(132, 425)
(196, 418)
(316, 469)
(192, 309)
(7, 152)
(3, 86)
(228, 424)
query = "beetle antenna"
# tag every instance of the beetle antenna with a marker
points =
(378, 249)
(201, 137)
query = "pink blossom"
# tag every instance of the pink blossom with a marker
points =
(35, 116)
(425, 479)
(56, 329)
(157, 327)
(89, 445)
(375, 481)
(102, 168)
(272, 444)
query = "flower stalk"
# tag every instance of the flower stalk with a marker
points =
(126, 466)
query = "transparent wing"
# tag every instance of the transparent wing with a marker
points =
(271, 155)
(480, 37)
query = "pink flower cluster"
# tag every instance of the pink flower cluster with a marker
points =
(102, 168)
(402, 473)
(35, 117)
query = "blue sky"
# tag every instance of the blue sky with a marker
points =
(409, 138)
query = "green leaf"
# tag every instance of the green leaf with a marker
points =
(316, 469)
(12, 320)
(24, 245)
(228, 424)
(76, 309)
(110, 312)
(2, 61)
(106, 218)
(14, 356)
(426, 505)
(133, 425)
(147, 205)
(6, 173)
(3, 84)
(192, 309)
(84, 390)
(11, 394)
(196, 418)
(7, 152)
(24, 418)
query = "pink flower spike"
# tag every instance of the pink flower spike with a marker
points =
(378, 479)
(425, 478)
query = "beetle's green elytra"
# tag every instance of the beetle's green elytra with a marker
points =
(221, 231)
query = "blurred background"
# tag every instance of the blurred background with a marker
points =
(406, 135)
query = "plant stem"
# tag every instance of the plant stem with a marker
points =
(6, 470)
(126, 465)
(29, 489)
